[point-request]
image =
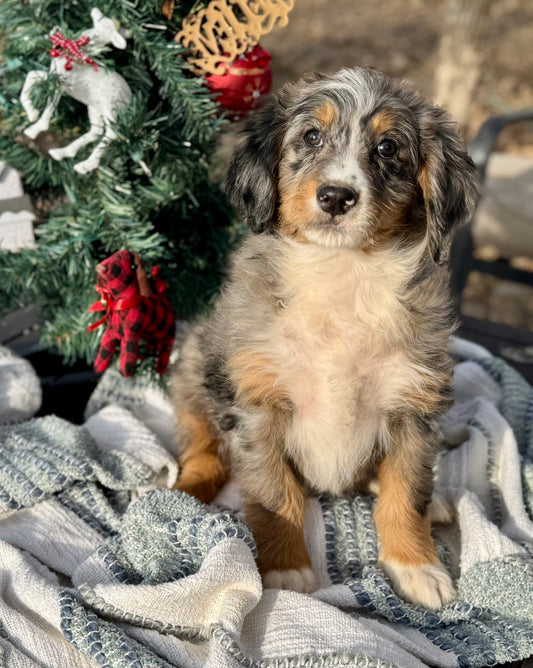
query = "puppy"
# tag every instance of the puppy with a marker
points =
(324, 364)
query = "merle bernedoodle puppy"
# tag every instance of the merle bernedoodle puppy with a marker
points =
(324, 367)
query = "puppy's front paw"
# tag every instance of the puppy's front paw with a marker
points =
(302, 580)
(425, 584)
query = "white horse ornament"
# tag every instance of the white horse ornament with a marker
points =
(81, 78)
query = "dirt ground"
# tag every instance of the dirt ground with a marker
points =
(401, 38)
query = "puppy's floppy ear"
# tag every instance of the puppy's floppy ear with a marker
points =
(251, 183)
(448, 181)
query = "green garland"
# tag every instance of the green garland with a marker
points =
(152, 192)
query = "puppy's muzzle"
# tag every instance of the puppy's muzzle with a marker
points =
(336, 200)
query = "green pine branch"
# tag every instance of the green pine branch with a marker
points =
(152, 192)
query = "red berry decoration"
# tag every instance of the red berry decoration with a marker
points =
(71, 49)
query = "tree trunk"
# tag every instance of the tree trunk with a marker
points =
(460, 58)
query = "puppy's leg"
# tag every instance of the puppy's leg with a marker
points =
(201, 445)
(402, 519)
(440, 510)
(273, 498)
(202, 471)
(274, 504)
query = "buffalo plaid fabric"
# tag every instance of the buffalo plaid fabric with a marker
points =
(130, 316)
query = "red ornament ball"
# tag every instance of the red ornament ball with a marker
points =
(246, 80)
(54, 53)
(68, 66)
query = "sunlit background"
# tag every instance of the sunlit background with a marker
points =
(473, 56)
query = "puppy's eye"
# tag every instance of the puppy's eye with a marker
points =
(313, 138)
(387, 149)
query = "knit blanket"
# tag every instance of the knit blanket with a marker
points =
(101, 564)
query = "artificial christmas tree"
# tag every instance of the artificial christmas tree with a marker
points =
(148, 189)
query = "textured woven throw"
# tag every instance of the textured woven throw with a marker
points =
(102, 565)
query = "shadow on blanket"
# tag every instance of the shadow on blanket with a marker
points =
(100, 565)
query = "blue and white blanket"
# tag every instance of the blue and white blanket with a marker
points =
(101, 565)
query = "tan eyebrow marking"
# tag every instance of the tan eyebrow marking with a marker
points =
(326, 114)
(383, 121)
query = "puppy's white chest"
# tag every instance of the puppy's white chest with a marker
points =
(342, 377)
(340, 405)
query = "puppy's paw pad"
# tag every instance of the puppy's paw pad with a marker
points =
(302, 580)
(428, 584)
(441, 510)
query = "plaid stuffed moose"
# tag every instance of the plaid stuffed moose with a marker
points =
(136, 308)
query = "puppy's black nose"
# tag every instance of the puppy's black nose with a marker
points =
(336, 200)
